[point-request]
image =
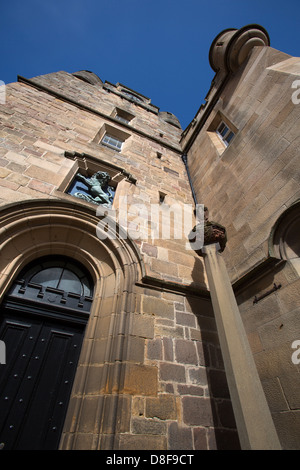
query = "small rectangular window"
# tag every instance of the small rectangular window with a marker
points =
(122, 119)
(112, 142)
(162, 198)
(122, 115)
(225, 133)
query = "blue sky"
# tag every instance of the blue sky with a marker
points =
(156, 47)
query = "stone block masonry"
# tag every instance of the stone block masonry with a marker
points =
(191, 408)
(37, 128)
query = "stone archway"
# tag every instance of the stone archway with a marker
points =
(41, 228)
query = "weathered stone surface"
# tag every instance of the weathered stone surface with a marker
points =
(138, 406)
(190, 390)
(172, 372)
(154, 349)
(143, 325)
(197, 411)
(150, 250)
(291, 386)
(198, 375)
(119, 407)
(168, 349)
(286, 424)
(185, 352)
(159, 307)
(142, 442)
(274, 395)
(179, 438)
(200, 438)
(163, 407)
(148, 426)
(140, 379)
(89, 410)
(136, 349)
(4, 172)
(185, 319)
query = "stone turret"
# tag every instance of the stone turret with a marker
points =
(231, 47)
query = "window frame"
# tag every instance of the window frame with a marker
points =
(32, 274)
(108, 140)
(122, 116)
(122, 119)
(224, 135)
(107, 132)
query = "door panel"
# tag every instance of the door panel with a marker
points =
(36, 382)
(19, 340)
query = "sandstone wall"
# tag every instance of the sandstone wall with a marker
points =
(248, 186)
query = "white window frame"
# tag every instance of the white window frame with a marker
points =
(113, 142)
(224, 132)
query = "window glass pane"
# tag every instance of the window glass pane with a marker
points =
(224, 131)
(86, 287)
(59, 273)
(69, 282)
(48, 277)
(32, 271)
(112, 141)
(120, 118)
(75, 269)
(229, 137)
(221, 127)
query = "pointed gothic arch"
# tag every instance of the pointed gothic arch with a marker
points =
(284, 241)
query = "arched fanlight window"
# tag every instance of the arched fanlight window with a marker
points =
(59, 273)
(54, 281)
(42, 323)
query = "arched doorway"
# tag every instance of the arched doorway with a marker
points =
(42, 323)
(37, 228)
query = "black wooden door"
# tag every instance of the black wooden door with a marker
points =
(35, 383)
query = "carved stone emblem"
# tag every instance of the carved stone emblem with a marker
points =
(99, 192)
(213, 232)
